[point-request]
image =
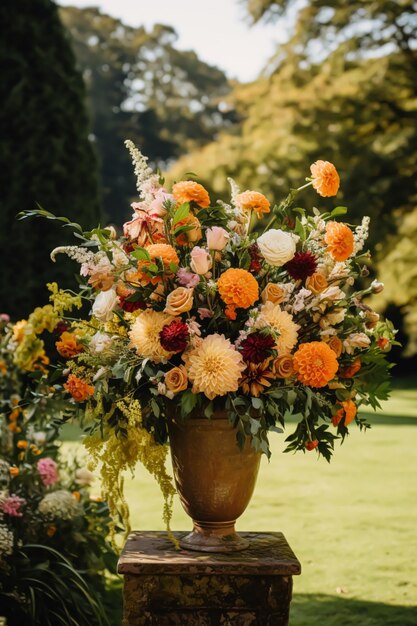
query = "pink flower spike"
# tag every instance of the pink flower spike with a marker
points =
(11, 506)
(187, 279)
(48, 471)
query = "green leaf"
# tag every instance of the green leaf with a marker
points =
(256, 403)
(181, 213)
(339, 210)
(141, 254)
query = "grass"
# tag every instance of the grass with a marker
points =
(352, 523)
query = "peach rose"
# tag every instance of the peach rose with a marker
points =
(200, 260)
(217, 238)
(273, 293)
(179, 301)
(283, 366)
(317, 283)
(336, 345)
(176, 379)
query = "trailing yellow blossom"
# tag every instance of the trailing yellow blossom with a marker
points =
(117, 453)
(63, 300)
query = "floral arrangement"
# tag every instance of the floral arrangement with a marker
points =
(254, 308)
(54, 549)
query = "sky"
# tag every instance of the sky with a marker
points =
(218, 30)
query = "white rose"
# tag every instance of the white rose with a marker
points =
(104, 304)
(277, 247)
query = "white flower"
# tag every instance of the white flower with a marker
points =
(356, 340)
(83, 476)
(39, 437)
(6, 541)
(104, 305)
(277, 247)
(361, 234)
(99, 342)
(60, 504)
(299, 300)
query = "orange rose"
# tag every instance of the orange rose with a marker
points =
(176, 379)
(190, 191)
(273, 293)
(179, 301)
(317, 283)
(339, 240)
(22, 444)
(14, 471)
(283, 366)
(326, 180)
(190, 236)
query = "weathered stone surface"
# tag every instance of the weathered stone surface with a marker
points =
(165, 587)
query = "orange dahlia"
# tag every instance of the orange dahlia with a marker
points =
(156, 250)
(78, 388)
(190, 191)
(326, 180)
(68, 346)
(315, 364)
(253, 201)
(348, 411)
(339, 239)
(238, 289)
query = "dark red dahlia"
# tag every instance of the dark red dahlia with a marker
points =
(129, 307)
(174, 336)
(257, 347)
(256, 257)
(61, 327)
(302, 265)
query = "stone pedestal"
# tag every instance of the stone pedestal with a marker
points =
(168, 587)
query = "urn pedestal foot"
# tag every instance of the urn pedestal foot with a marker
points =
(214, 537)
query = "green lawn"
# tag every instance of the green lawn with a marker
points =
(352, 524)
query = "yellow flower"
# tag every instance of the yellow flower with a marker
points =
(144, 334)
(283, 323)
(214, 367)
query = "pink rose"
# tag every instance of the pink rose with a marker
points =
(217, 238)
(204, 313)
(200, 260)
(12, 505)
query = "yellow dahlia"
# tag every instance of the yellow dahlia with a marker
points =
(315, 364)
(144, 334)
(283, 323)
(214, 367)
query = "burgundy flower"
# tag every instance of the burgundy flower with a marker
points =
(257, 347)
(61, 327)
(174, 336)
(129, 307)
(302, 265)
(256, 257)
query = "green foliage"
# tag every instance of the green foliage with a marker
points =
(141, 86)
(45, 154)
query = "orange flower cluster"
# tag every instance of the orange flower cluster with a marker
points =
(339, 240)
(315, 364)
(326, 180)
(78, 388)
(68, 346)
(347, 411)
(351, 370)
(253, 201)
(192, 235)
(162, 250)
(190, 191)
(238, 289)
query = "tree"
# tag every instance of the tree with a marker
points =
(45, 153)
(143, 88)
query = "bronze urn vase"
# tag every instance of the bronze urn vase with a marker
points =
(214, 479)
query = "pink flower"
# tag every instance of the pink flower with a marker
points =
(5, 318)
(156, 206)
(11, 505)
(217, 238)
(187, 279)
(48, 471)
(203, 313)
(200, 260)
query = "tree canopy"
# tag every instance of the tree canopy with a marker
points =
(142, 87)
(45, 153)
